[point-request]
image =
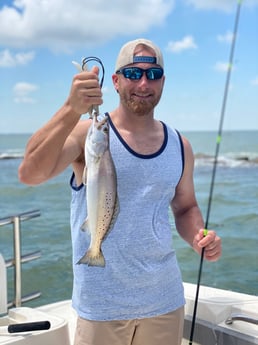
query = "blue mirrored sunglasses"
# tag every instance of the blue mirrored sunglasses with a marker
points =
(135, 73)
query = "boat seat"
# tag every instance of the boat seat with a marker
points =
(57, 334)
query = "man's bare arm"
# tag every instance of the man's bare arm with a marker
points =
(60, 141)
(188, 218)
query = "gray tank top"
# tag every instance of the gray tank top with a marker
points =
(141, 277)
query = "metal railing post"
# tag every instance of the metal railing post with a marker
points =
(17, 260)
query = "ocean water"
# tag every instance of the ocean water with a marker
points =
(234, 215)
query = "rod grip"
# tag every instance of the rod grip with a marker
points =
(28, 327)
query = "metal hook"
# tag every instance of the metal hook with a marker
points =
(96, 59)
(94, 110)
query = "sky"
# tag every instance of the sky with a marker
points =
(39, 39)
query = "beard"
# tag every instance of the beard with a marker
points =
(139, 107)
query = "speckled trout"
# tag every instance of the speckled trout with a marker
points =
(101, 190)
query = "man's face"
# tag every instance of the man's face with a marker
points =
(139, 96)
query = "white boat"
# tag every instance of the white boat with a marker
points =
(223, 317)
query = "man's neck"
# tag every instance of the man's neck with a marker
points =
(132, 122)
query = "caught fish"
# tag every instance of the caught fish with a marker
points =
(101, 192)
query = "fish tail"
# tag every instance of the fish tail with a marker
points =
(92, 259)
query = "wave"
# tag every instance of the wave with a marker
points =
(230, 160)
(11, 155)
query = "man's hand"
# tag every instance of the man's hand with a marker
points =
(85, 91)
(210, 242)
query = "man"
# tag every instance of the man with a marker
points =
(137, 298)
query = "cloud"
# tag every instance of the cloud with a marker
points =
(22, 92)
(185, 44)
(221, 5)
(62, 25)
(222, 66)
(7, 59)
(227, 37)
(255, 81)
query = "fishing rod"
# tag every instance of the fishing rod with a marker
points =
(218, 141)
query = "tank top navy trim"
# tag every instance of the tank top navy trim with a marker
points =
(139, 155)
(182, 151)
(73, 185)
(153, 155)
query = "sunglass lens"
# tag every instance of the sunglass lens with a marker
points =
(133, 73)
(154, 73)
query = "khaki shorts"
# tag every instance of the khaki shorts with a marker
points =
(160, 330)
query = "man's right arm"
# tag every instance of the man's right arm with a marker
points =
(60, 141)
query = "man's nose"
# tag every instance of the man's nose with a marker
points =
(144, 80)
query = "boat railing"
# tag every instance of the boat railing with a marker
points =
(241, 317)
(19, 259)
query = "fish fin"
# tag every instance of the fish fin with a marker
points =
(85, 226)
(91, 259)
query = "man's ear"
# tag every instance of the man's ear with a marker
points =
(115, 82)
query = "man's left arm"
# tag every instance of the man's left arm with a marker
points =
(188, 218)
